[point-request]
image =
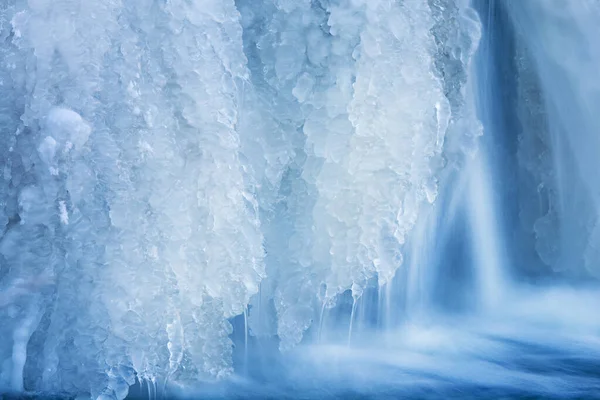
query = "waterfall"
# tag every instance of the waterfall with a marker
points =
(299, 198)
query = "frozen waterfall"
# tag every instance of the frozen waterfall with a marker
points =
(299, 198)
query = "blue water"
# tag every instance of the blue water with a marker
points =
(543, 345)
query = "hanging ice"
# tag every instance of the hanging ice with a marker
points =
(164, 162)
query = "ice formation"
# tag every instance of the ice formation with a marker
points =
(558, 61)
(169, 165)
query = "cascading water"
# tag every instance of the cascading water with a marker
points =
(299, 198)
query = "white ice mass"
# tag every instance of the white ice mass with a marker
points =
(169, 165)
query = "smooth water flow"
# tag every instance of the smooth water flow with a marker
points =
(487, 243)
(279, 199)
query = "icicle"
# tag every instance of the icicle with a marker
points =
(246, 340)
(351, 320)
(321, 318)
